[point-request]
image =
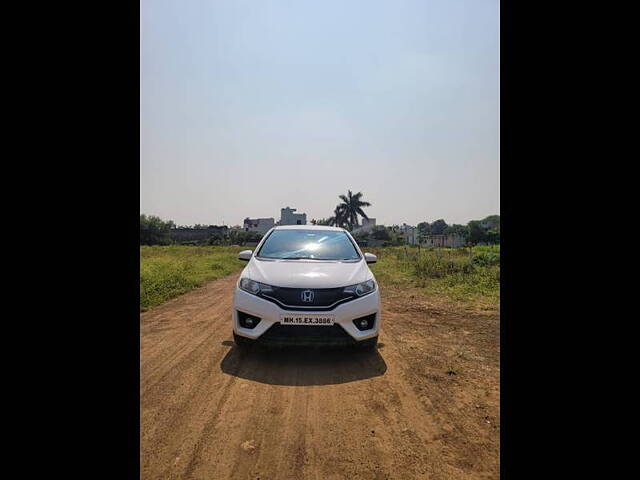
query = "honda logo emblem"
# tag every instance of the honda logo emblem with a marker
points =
(307, 296)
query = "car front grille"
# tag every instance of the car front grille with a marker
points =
(323, 298)
(308, 335)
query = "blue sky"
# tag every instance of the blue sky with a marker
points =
(250, 106)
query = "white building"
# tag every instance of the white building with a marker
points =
(288, 217)
(261, 225)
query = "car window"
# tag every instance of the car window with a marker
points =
(308, 244)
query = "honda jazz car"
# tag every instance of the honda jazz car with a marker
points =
(306, 285)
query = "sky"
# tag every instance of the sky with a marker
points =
(248, 106)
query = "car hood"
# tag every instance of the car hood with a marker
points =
(307, 273)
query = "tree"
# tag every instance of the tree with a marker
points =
(486, 230)
(437, 227)
(351, 208)
(457, 229)
(154, 230)
(476, 232)
(338, 218)
(424, 229)
(492, 236)
(492, 222)
(381, 233)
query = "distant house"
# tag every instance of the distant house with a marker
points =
(409, 233)
(288, 217)
(261, 225)
(452, 240)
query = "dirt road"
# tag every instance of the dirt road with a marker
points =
(424, 405)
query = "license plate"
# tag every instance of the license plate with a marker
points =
(310, 319)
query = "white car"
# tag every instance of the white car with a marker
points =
(306, 285)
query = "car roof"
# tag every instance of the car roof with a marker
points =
(308, 227)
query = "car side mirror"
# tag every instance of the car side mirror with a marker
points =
(245, 255)
(370, 258)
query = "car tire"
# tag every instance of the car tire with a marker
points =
(369, 345)
(242, 343)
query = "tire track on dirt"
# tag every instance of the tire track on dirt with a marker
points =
(179, 342)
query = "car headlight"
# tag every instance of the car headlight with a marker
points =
(361, 288)
(254, 287)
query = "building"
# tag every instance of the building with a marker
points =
(261, 225)
(452, 240)
(367, 225)
(409, 233)
(288, 217)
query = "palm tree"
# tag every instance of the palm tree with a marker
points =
(350, 208)
(338, 218)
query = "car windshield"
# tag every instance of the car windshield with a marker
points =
(308, 244)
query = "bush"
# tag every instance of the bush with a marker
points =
(461, 274)
(217, 239)
(434, 266)
(486, 259)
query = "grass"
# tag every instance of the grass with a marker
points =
(169, 271)
(470, 276)
(462, 275)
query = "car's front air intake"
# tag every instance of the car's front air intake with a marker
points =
(305, 335)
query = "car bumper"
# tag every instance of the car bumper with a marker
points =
(269, 314)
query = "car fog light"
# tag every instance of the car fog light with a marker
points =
(365, 323)
(247, 321)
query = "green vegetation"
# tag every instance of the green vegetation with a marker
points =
(235, 237)
(468, 275)
(169, 271)
(384, 236)
(154, 230)
(486, 230)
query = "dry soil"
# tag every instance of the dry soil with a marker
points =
(425, 404)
